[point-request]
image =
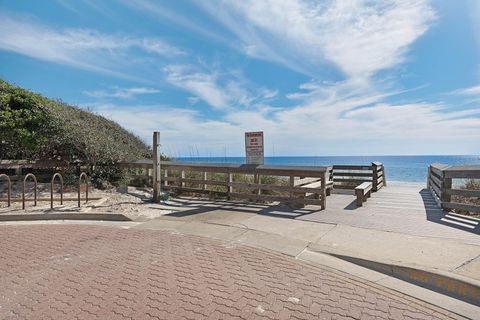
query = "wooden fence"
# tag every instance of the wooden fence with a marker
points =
(440, 184)
(350, 176)
(302, 185)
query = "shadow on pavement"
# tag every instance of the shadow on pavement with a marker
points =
(453, 220)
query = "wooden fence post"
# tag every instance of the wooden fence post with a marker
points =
(324, 190)
(229, 186)
(446, 184)
(258, 181)
(156, 167)
(429, 172)
(205, 177)
(375, 176)
(182, 175)
(384, 175)
(291, 184)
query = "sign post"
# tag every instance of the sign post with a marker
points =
(254, 147)
(156, 167)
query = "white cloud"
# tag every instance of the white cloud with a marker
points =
(360, 37)
(218, 90)
(470, 91)
(344, 122)
(123, 93)
(202, 85)
(82, 48)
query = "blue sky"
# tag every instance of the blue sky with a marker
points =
(318, 77)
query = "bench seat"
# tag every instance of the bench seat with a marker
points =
(363, 192)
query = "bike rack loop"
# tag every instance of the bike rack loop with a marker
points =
(82, 175)
(51, 189)
(9, 184)
(35, 189)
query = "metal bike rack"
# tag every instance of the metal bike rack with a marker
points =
(9, 184)
(23, 189)
(82, 175)
(51, 189)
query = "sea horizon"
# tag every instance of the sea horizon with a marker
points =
(398, 168)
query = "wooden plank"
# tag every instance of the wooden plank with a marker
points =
(254, 186)
(435, 197)
(438, 168)
(270, 198)
(355, 174)
(463, 192)
(436, 181)
(366, 186)
(351, 180)
(460, 206)
(193, 190)
(351, 167)
(436, 175)
(196, 181)
(437, 190)
(379, 180)
(303, 181)
(317, 184)
(463, 174)
(346, 187)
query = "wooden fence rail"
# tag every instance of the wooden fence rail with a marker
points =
(304, 185)
(440, 184)
(350, 176)
(219, 179)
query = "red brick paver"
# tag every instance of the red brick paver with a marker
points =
(88, 272)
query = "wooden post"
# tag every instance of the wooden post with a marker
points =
(324, 190)
(205, 177)
(375, 176)
(384, 176)
(166, 176)
(182, 175)
(429, 172)
(229, 187)
(446, 184)
(156, 167)
(258, 181)
(292, 184)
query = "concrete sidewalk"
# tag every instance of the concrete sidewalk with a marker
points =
(448, 266)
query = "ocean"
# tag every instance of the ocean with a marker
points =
(397, 168)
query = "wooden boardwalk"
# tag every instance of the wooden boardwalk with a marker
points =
(408, 209)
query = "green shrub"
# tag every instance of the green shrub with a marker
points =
(33, 127)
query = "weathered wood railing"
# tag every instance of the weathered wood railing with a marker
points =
(231, 180)
(351, 176)
(440, 184)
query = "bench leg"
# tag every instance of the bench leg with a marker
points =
(329, 191)
(369, 194)
(359, 198)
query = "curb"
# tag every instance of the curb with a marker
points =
(65, 216)
(455, 286)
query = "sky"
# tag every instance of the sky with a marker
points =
(324, 77)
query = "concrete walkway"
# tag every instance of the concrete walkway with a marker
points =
(403, 255)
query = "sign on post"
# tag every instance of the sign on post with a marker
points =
(254, 147)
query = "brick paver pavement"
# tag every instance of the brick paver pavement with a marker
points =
(88, 272)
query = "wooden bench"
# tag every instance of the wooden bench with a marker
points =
(363, 192)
